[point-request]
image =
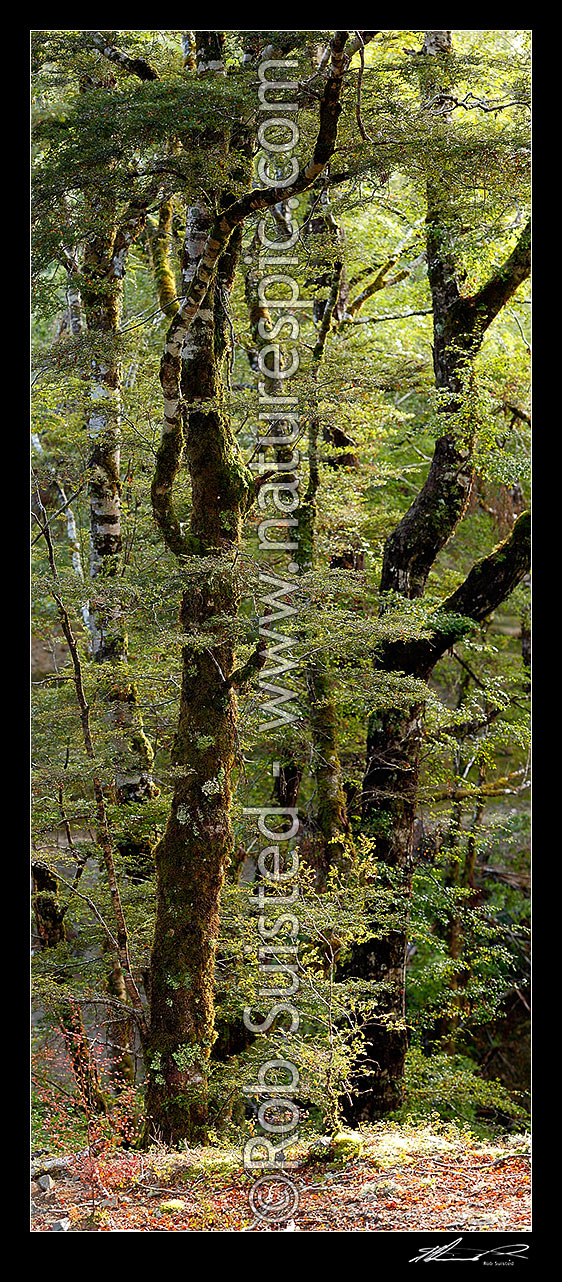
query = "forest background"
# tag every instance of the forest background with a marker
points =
(409, 649)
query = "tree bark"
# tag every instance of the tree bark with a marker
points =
(193, 373)
(330, 843)
(395, 735)
(192, 857)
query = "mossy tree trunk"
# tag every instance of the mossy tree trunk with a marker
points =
(192, 857)
(331, 843)
(390, 788)
(459, 876)
(159, 242)
(103, 270)
(191, 861)
(101, 291)
(395, 735)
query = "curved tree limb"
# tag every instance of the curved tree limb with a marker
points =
(136, 66)
(488, 583)
(413, 545)
(476, 313)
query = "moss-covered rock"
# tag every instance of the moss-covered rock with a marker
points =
(346, 1146)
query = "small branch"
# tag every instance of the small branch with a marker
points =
(122, 942)
(49, 520)
(498, 788)
(511, 312)
(448, 103)
(362, 38)
(515, 410)
(389, 316)
(365, 136)
(81, 860)
(46, 533)
(242, 676)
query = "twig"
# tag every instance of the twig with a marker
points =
(49, 521)
(365, 136)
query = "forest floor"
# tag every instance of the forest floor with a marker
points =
(406, 1178)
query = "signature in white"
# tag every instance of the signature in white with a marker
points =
(452, 1251)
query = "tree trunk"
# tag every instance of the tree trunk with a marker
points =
(103, 269)
(394, 737)
(104, 265)
(389, 808)
(191, 861)
(49, 916)
(192, 857)
(331, 841)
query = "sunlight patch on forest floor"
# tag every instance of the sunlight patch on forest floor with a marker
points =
(408, 1178)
